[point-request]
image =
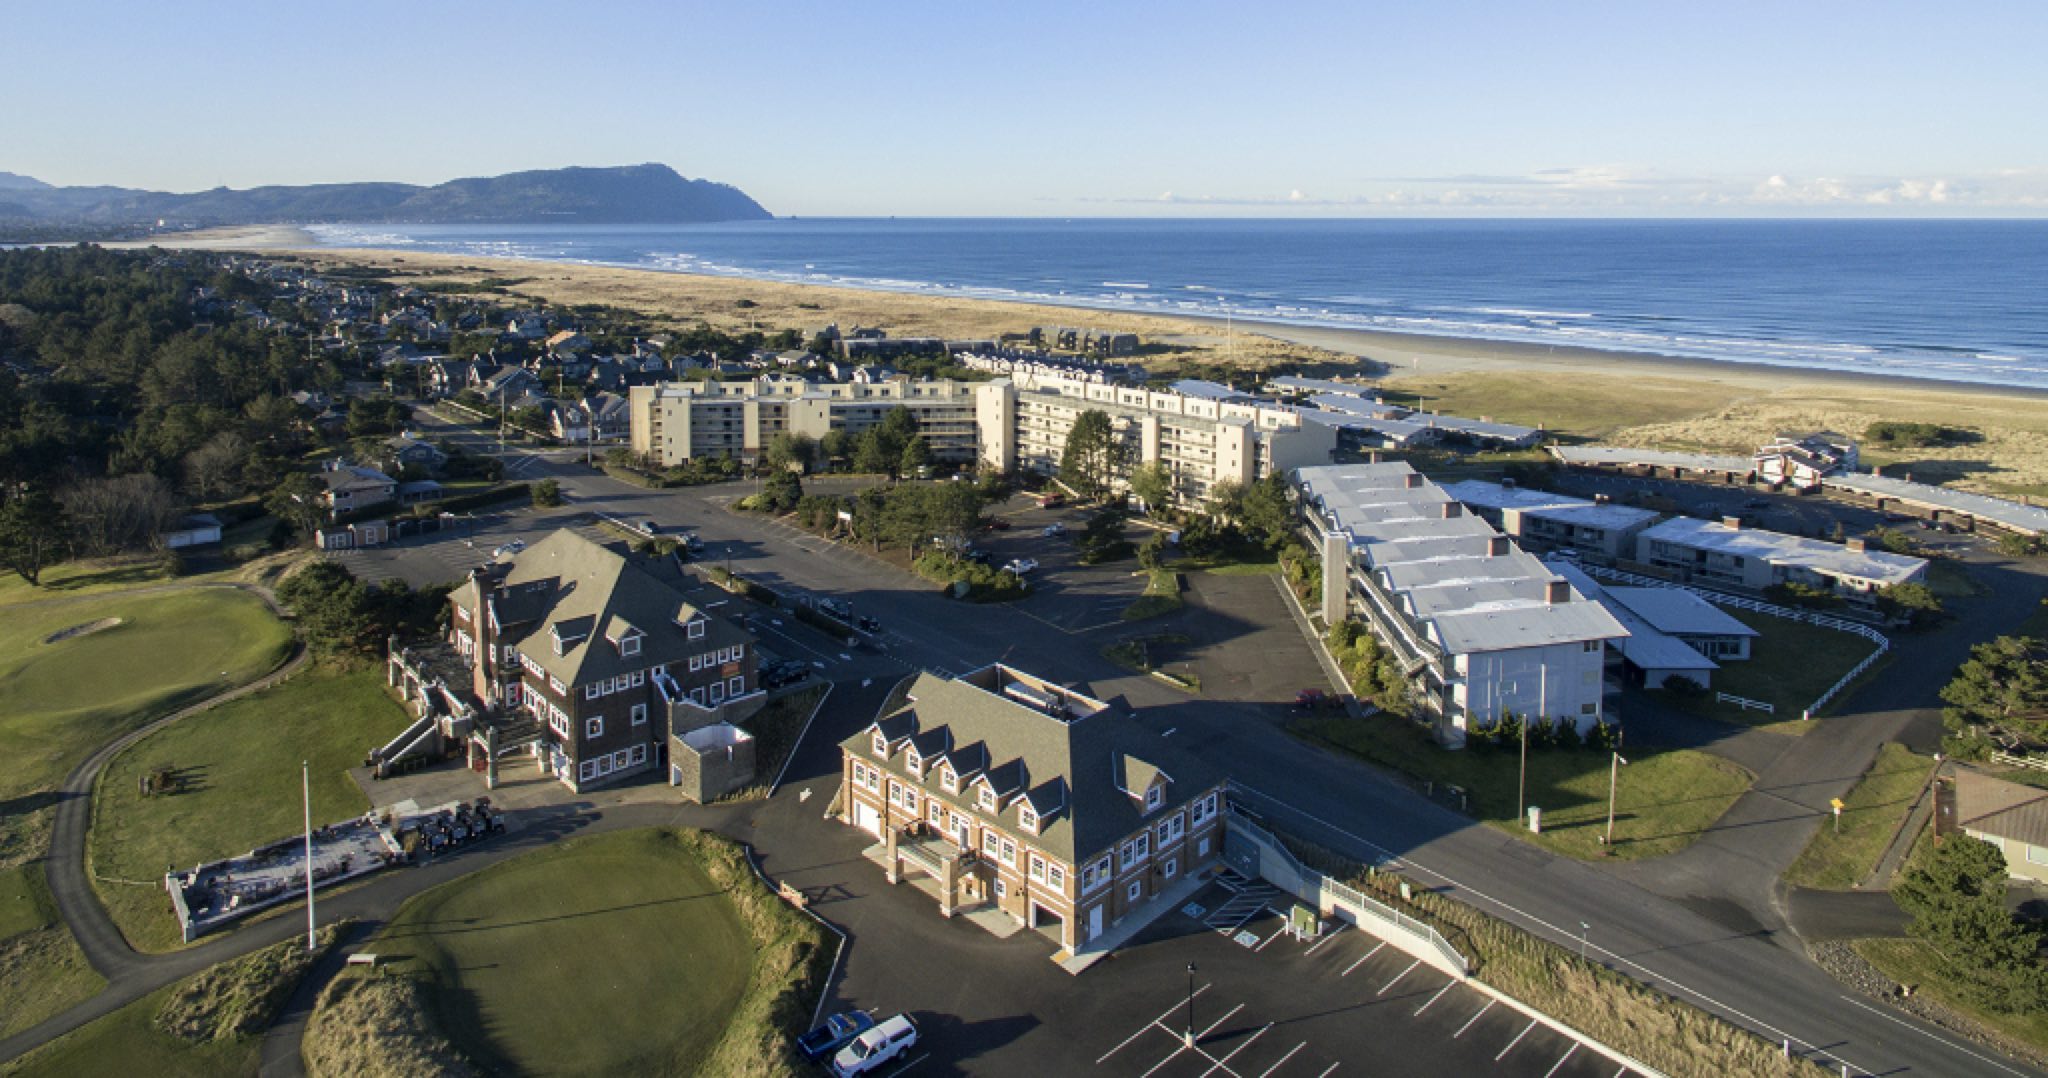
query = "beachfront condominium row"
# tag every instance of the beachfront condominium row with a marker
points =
(1480, 627)
(1006, 424)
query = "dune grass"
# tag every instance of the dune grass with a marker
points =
(1666, 798)
(42, 971)
(240, 766)
(1874, 808)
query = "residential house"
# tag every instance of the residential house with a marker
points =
(1015, 794)
(612, 660)
(1801, 460)
(2010, 816)
(526, 326)
(351, 487)
(409, 450)
(568, 342)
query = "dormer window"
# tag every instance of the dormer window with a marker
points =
(1027, 819)
(881, 745)
(695, 628)
(986, 799)
(948, 779)
(914, 762)
(630, 645)
(1155, 797)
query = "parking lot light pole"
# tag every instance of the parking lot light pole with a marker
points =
(1613, 778)
(1190, 1034)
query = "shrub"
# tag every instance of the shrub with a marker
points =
(1682, 686)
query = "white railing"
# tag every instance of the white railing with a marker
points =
(1744, 602)
(1322, 891)
(2034, 763)
(1746, 704)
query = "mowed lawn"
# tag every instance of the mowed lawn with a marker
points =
(605, 955)
(1666, 798)
(1844, 851)
(60, 701)
(240, 766)
(1793, 663)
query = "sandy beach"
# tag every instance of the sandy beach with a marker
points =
(1615, 397)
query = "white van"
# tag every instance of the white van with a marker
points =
(877, 1046)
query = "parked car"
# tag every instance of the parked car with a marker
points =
(868, 1051)
(867, 624)
(978, 557)
(837, 608)
(826, 1040)
(998, 524)
(1020, 566)
(1054, 530)
(513, 547)
(784, 672)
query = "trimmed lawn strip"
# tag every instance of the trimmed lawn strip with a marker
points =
(240, 763)
(1161, 597)
(59, 702)
(1792, 663)
(1911, 961)
(645, 951)
(76, 578)
(1875, 808)
(1671, 1035)
(1666, 798)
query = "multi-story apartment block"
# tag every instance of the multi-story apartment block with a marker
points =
(1014, 793)
(1006, 424)
(1726, 554)
(1555, 521)
(609, 659)
(1480, 627)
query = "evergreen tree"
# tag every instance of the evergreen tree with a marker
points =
(1092, 455)
(34, 535)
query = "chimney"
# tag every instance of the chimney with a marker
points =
(1857, 545)
(1373, 457)
(1732, 523)
(1507, 482)
(1413, 480)
(1497, 546)
(1452, 510)
(1557, 591)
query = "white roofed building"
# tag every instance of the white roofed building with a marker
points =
(1726, 554)
(1555, 520)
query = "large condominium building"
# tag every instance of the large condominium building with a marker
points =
(1555, 521)
(676, 422)
(610, 660)
(1726, 554)
(1015, 794)
(1011, 423)
(1481, 627)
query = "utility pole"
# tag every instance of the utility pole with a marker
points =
(306, 792)
(1613, 781)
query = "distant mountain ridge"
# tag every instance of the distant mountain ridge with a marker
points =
(627, 194)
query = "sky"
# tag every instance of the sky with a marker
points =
(1734, 108)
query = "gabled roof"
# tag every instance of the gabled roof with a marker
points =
(1068, 756)
(2005, 809)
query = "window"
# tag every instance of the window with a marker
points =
(910, 800)
(593, 728)
(590, 691)
(639, 714)
(1204, 808)
(990, 844)
(1135, 891)
(987, 799)
(1009, 853)
(620, 757)
(1056, 877)
(2037, 855)
(736, 686)
(639, 754)
(1592, 645)
(739, 651)
(1027, 819)
(881, 744)
(1155, 797)
(914, 762)
(1167, 867)
(1038, 868)
(630, 646)
(696, 629)
(948, 779)
(1202, 847)
(586, 770)
(639, 678)
(717, 691)
(1097, 874)
(1001, 891)
(1171, 828)
(1144, 844)
(696, 662)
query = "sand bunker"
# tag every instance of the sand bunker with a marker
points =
(86, 629)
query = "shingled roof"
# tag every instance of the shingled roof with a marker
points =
(2005, 809)
(1083, 767)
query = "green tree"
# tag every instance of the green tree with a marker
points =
(547, 493)
(296, 501)
(1226, 500)
(871, 454)
(1957, 902)
(1917, 603)
(1092, 455)
(782, 490)
(2003, 687)
(917, 455)
(1267, 513)
(788, 448)
(34, 534)
(1152, 483)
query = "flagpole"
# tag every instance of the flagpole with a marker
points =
(306, 791)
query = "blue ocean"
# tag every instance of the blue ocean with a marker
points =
(1957, 301)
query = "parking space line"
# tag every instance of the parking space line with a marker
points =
(1362, 959)
(1448, 985)
(1560, 1060)
(1331, 1067)
(1142, 1029)
(1212, 1026)
(1474, 1018)
(1283, 1059)
(1397, 977)
(1516, 1041)
(1277, 933)
(1327, 937)
(1171, 1056)
(1222, 1064)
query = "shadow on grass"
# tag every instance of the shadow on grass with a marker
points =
(470, 924)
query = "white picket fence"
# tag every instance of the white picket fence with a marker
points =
(1758, 606)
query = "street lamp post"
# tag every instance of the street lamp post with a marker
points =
(1613, 779)
(1190, 1033)
(1584, 929)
